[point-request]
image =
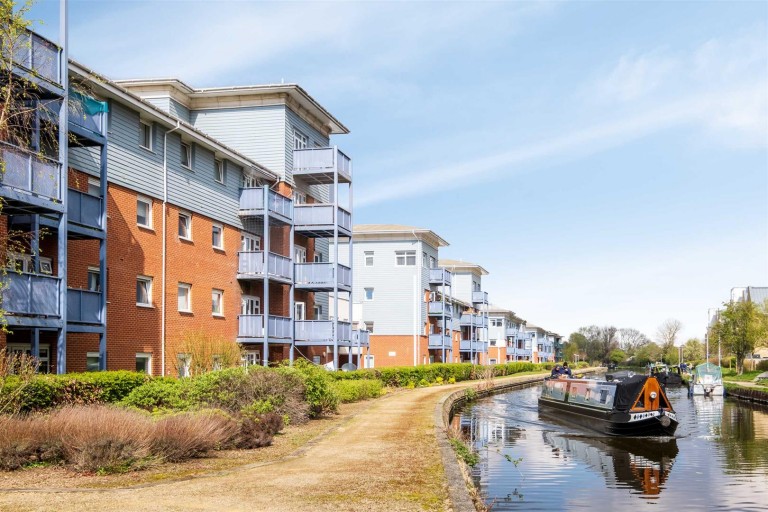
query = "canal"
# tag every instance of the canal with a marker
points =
(718, 459)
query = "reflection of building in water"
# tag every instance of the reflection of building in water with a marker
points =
(709, 411)
(642, 464)
(486, 431)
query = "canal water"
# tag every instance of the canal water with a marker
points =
(717, 460)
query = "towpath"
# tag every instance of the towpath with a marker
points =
(386, 457)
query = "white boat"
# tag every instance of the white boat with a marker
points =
(707, 380)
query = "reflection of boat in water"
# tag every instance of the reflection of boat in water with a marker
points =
(636, 406)
(707, 380)
(642, 464)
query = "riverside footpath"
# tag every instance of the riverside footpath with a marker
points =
(392, 455)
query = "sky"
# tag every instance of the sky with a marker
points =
(606, 162)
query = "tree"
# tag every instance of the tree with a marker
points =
(648, 353)
(570, 351)
(617, 356)
(630, 340)
(666, 335)
(205, 352)
(742, 327)
(693, 350)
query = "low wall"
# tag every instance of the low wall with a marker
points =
(749, 394)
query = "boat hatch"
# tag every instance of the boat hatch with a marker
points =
(651, 397)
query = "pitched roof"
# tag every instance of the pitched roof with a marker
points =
(448, 263)
(392, 231)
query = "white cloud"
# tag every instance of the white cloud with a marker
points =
(634, 77)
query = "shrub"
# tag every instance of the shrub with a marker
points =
(317, 387)
(189, 435)
(18, 443)
(356, 390)
(161, 393)
(258, 431)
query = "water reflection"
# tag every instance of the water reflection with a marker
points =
(718, 459)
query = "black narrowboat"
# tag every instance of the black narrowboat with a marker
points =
(636, 406)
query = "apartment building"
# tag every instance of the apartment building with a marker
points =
(543, 343)
(508, 340)
(218, 207)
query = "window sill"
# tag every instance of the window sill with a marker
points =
(219, 249)
(184, 239)
(186, 168)
(146, 306)
(185, 311)
(216, 315)
(145, 148)
(145, 228)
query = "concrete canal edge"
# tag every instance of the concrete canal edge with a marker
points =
(461, 488)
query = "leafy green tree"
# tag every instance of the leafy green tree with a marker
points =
(648, 353)
(693, 350)
(617, 356)
(741, 327)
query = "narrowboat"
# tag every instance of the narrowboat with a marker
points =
(636, 406)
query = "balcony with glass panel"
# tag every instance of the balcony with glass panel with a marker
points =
(322, 276)
(28, 294)
(439, 308)
(83, 306)
(480, 297)
(38, 60)
(473, 320)
(361, 338)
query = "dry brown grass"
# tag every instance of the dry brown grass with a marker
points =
(191, 435)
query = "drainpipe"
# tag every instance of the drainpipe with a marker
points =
(165, 206)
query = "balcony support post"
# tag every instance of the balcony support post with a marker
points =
(265, 312)
(103, 259)
(291, 297)
(36, 343)
(34, 244)
(61, 346)
(335, 324)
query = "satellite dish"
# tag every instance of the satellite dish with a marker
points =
(348, 367)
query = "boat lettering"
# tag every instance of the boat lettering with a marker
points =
(643, 415)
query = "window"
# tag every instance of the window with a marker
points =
(318, 310)
(92, 361)
(492, 361)
(218, 171)
(299, 197)
(432, 262)
(368, 258)
(144, 291)
(318, 257)
(94, 187)
(46, 266)
(424, 260)
(405, 258)
(144, 212)
(183, 363)
(217, 236)
(144, 363)
(368, 294)
(217, 302)
(493, 343)
(185, 296)
(249, 181)
(186, 155)
(146, 136)
(250, 305)
(496, 322)
(251, 357)
(299, 140)
(185, 226)
(299, 254)
(94, 281)
(250, 243)
(299, 311)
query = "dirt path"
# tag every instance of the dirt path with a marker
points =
(385, 458)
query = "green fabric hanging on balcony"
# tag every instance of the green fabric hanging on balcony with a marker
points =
(89, 105)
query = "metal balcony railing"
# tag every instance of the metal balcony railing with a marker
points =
(83, 306)
(322, 275)
(87, 112)
(439, 308)
(31, 294)
(439, 340)
(252, 326)
(480, 297)
(473, 320)
(321, 331)
(24, 171)
(251, 265)
(84, 209)
(471, 345)
(308, 216)
(362, 338)
(252, 202)
(440, 277)
(38, 55)
(511, 331)
(322, 160)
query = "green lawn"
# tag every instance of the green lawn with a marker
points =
(730, 375)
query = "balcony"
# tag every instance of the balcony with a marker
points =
(473, 320)
(321, 332)
(260, 200)
(252, 326)
(361, 338)
(31, 294)
(29, 179)
(440, 277)
(83, 306)
(511, 332)
(317, 220)
(472, 346)
(479, 297)
(84, 209)
(439, 309)
(440, 340)
(87, 116)
(38, 56)
(318, 165)
(251, 266)
(322, 276)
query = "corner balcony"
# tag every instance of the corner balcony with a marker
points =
(252, 265)
(322, 276)
(31, 294)
(473, 320)
(30, 183)
(361, 338)
(320, 332)
(38, 58)
(436, 308)
(317, 166)
(259, 201)
(440, 277)
(479, 297)
(83, 306)
(251, 328)
(87, 118)
(512, 332)
(440, 340)
(317, 220)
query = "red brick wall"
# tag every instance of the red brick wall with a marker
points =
(401, 346)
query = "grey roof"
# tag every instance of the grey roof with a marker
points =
(757, 294)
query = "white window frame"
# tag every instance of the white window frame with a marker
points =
(94, 187)
(251, 358)
(299, 197)
(188, 216)
(147, 131)
(318, 257)
(220, 227)
(402, 257)
(148, 202)
(184, 362)
(299, 254)
(94, 287)
(300, 141)
(368, 292)
(368, 257)
(317, 309)
(91, 355)
(249, 242)
(185, 150)
(188, 288)
(424, 259)
(248, 181)
(220, 294)
(148, 281)
(299, 311)
(246, 299)
(46, 265)
(432, 262)
(218, 171)
(148, 357)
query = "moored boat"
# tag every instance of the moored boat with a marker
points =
(636, 406)
(707, 380)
